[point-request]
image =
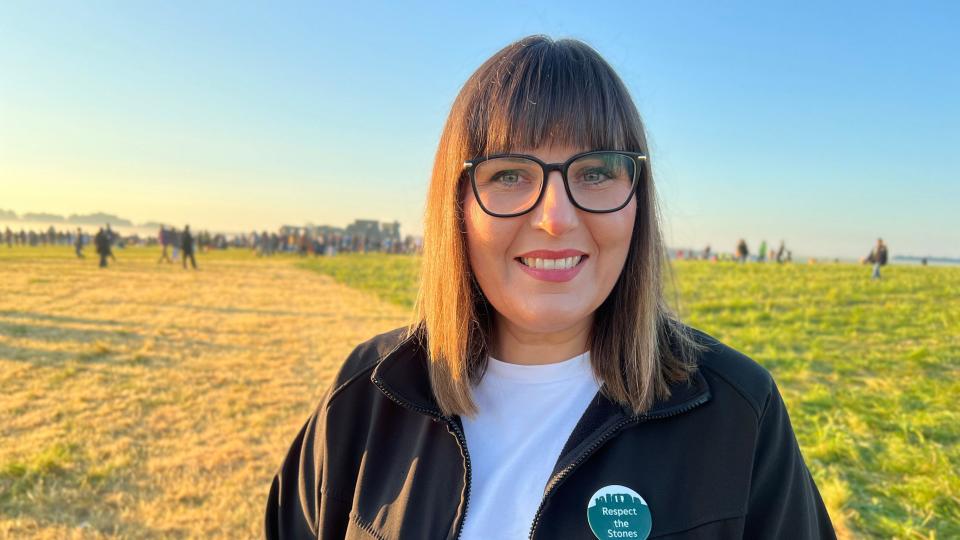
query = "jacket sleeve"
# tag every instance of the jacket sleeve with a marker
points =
(784, 501)
(293, 504)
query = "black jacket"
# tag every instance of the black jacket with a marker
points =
(186, 242)
(102, 242)
(377, 459)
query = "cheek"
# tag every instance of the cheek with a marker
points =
(484, 242)
(627, 220)
(624, 231)
(614, 234)
(489, 243)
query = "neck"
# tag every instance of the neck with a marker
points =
(519, 345)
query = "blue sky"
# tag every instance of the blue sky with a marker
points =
(823, 125)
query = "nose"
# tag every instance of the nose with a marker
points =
(555, 213)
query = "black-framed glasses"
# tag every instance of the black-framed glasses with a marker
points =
(599, 181)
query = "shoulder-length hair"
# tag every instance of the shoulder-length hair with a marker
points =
(537, 91)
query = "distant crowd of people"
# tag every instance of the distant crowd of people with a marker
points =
(741, 254)
(306, 243)
(50, 237)
(780, 255)
(182, 245)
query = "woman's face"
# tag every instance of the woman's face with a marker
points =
(547, 300)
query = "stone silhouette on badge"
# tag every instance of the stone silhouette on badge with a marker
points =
(619, 515)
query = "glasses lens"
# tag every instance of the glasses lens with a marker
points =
(508, 185)
(602, 181)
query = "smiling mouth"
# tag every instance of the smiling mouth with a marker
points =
(551, 264)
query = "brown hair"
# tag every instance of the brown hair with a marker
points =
(537, 91)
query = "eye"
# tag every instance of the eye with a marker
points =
(596, 175)
(507, 177)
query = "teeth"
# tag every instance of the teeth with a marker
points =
(552, 264)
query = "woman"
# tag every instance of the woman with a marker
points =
(544, 389)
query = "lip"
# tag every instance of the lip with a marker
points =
(556, 276)
(550, 254)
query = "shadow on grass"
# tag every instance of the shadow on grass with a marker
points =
(56, 318)
(58, 334)
(97, 346)
(235, 310)
(93, 354)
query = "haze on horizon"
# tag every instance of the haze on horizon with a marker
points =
(826, 126)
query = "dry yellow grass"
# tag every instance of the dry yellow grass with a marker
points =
(144, 401)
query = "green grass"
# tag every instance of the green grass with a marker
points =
(870, 371)
(391, 277)
(21, 476)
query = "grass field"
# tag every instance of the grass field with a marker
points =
(145, 401)
(870, 372)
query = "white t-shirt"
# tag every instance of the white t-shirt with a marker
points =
(526, 414)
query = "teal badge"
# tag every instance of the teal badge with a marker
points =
(618, 512)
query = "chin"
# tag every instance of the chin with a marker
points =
(550, 319)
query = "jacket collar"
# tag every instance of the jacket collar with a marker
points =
(402, 375)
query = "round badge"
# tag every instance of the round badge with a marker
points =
(618, 512)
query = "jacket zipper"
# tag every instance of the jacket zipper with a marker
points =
(560, 476)
(461, 440)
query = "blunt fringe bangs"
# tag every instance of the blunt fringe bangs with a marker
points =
(539, 92)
